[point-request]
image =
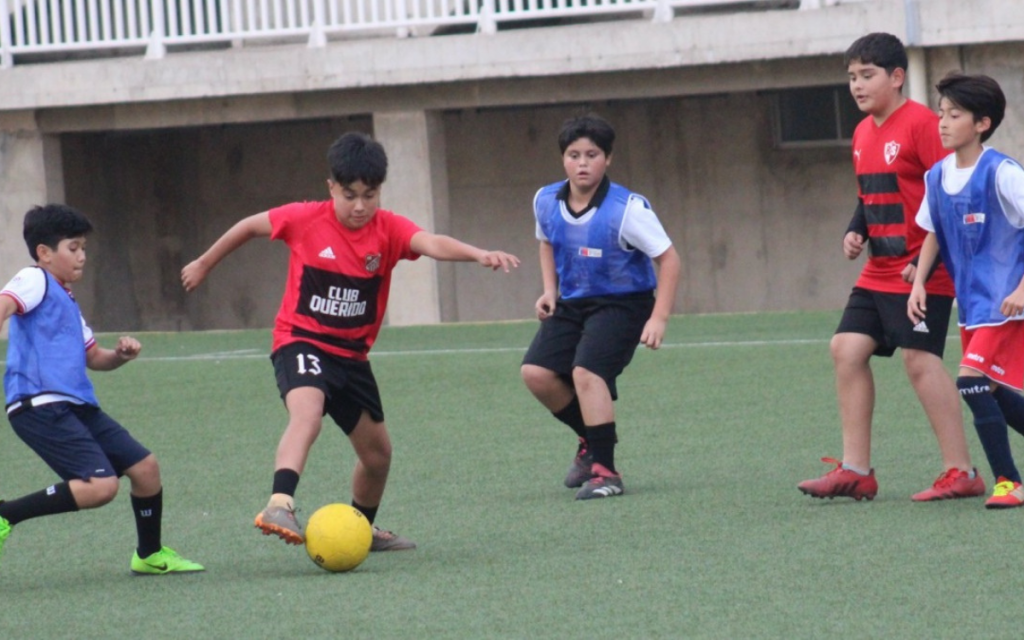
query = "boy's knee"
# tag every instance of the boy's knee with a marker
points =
(378, 460)
(850, 349)
(145, 475)
(147, 469)
(838, 348)
(584, 378)
(94, 492)
(384, 451)
(375, 452)
(972, 386)
(918, 360)
(536, 377)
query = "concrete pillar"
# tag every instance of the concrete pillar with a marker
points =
(917, 76)
(30, 173)
(422, 292)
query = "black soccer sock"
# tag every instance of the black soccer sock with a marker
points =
(286, 481)
(369, 512)
(601, 440)
(572, 416)
(148, 516)
(1012, 405)
(50, 501)
(990, 425)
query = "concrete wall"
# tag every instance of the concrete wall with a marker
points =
(159, 198)
(725, 194)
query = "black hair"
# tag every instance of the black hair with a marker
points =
(356, 157)
(880, 49)
(49, 224)
(590, 126)
(980, 95)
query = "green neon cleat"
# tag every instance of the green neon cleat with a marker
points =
(5, 530)
(164, 561)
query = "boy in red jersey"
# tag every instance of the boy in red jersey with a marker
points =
(339, 274)
(892, 149)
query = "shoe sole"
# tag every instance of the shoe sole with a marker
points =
(403, 547)
(596, 496)
(857, 497)
(602, 492)
(145, 574)
(954, 496)
(287, 535)
(1003, 506)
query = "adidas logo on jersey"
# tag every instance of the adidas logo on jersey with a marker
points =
(921, 327)
(327, 253)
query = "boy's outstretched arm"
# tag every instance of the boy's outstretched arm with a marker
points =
(440, 247)
(244, 230)
(669, 267)
(101, 359)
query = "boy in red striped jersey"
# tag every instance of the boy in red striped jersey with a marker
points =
(892, 149)
(342, 252)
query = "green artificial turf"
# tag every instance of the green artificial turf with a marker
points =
(711, 540)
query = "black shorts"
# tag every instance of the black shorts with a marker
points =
(77, 441)
(348, 385)
(599, 334)
(883, 317)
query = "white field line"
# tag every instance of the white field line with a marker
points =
(248, 354)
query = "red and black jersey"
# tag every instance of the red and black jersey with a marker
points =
(890, 162)
(338, 278)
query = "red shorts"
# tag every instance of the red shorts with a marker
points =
(997, 352)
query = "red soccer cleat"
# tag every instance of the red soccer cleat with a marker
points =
(953, 483)
(841, 482)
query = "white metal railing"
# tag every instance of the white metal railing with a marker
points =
(62, 26)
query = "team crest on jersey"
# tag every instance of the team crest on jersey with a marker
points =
(372, 262)
(892, 149)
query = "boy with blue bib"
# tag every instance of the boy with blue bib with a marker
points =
(974, 214)
(50, 400)
(599, 243)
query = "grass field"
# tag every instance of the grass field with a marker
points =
(712, 539)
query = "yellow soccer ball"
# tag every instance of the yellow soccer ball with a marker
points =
(338, 537)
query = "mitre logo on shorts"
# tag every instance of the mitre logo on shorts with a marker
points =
(372, 262)
(588, 252)
(337, 300)
(892, 149)
(974, 218)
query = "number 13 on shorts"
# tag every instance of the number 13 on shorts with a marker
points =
(308, 364)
